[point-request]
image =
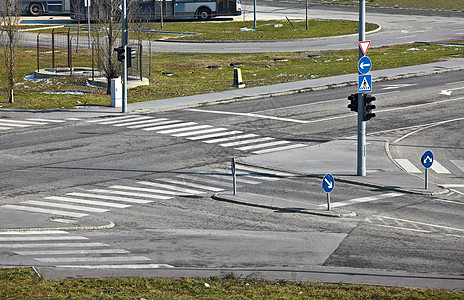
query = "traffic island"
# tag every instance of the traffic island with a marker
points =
(282, 204)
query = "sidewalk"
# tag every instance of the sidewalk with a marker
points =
(234, 95)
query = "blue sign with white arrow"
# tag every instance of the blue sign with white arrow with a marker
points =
(364, 65)
(328, 183)
(427, 159)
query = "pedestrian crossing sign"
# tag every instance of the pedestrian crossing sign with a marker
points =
(364, 83)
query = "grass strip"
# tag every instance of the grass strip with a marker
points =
(439, 4)
(23, 283)
(190, 75)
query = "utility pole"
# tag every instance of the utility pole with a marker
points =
(254, 14)
(361, 170)
(124, 61)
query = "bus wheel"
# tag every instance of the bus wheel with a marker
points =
(203, 14)
(35, 9)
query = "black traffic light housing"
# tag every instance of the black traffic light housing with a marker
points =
(368, 107)
(120, 51)
(353, 106)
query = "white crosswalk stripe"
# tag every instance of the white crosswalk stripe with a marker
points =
(179, 191)
(44, 210)
(124, 193)
(107, 197)
(205, 133)
(7, 124)
(364, 199)
(459, 164)
(66, 206)
(407, 165)
(194, 185)
(60, 247)
(90, 202)
(438, 168)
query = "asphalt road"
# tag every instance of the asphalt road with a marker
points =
(164, 180)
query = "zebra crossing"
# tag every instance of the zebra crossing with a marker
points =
(121, 196)
(8, 124)
(63, 250)
(414, 226)
(208, 134)
(437, 167)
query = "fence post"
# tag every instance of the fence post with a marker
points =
(69, 53)
(93, 65)
(140, 59)
(53, 48)
(38, 52)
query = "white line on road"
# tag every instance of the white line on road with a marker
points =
(459, 164)
(190, 133)
(250, 115)
(364, 199)
(40, 238)
(265, 145)
(194, 185)
(33, 232)
(232, 138)
(91, 259)
(426, 224)
(72, 252)
(141, 266)
(151, 196)
(108, 197)
(213, 135)
(45, 211)
(438, 168)
(54, 245)
(90, 202)
(407, 165)
(66, 206)
(288, 147)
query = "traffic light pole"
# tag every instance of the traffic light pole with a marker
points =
(361, 170)
(124, 61)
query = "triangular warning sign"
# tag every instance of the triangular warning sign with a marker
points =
(364, 46)
(365, 85)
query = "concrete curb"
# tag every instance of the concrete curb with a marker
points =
(268, 202)
(72, 228)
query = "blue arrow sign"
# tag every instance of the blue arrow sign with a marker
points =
(328, 183)
(427, 159)
(364, 65)
(364, 83)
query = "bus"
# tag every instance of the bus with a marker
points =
(170, 9)
(39, 7)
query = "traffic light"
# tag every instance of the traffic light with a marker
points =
(353, 106)
(368, 107)
(120, 51)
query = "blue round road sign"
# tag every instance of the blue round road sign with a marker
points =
(427, 159)
(328, 183)
(364, 65)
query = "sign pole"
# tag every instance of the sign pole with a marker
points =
(361, 167)
(88, 18)
(328, 202)
(124, 61)
(426, 178)
(234, 176)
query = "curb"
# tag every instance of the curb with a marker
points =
(323, 213)
(75, 228)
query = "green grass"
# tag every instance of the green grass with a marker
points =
(443, 4)
(192, 78)
(22, 283)
(231, 31)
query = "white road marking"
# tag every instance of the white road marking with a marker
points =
(72, 252)
(92, 259)
(213, 135)
(3, 123)
(252, 141)
(40, 238)
(171, 187)
(141, 120)
(90, 202)
(153, 123)
(364, 199)
(425, 224)
(170, 131)
(156, 128)
(232, 138)
(128, 122)
(194, 185)
(294, 146)
(407, 165)
(251, 115)
(115, 120)
(21, 122)
(108, 197)
(45, 211)
(156, 191)
(190, 133)
(152, 196)
(53, 245)
(33, 232)
(263, 171)
(240, 179)
(402, 228)
(264, 145)
(457, 192)
(66, 206)
(47, 120)
(459, 164)
(112, 118)
(141, 266)
(438, 168)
